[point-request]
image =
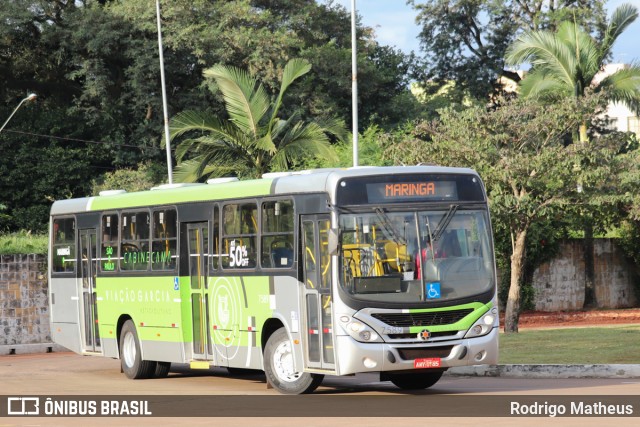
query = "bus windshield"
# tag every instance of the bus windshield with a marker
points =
(421, 256)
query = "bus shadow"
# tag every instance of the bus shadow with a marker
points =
(184, 371)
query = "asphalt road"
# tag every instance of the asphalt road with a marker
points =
(67, 374)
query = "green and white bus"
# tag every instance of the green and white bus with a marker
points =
(300, 274)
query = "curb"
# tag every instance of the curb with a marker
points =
(548, 371)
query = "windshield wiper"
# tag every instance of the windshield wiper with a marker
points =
(387, 227)
(444, 222)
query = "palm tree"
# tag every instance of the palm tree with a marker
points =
(565, 63)
(253, 140)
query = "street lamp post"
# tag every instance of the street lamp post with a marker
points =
(30, 97)
(354, 83)
(164, 98)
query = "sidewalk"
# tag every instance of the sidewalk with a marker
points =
(548, 371)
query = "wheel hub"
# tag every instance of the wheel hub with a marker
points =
(283, 362)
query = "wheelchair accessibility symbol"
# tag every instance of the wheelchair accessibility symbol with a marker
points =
(433, 290)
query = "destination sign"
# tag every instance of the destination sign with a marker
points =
(411, 191)
(409, 188)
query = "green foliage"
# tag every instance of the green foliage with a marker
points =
(371, 147)
(143, 178)
(94, 65)
(23, 242)
(465, 40)
(566, 62)
(254, 140)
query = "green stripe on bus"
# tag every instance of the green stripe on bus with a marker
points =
(478, 310)
(195, 193)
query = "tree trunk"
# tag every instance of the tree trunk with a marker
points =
(590, 300)
(512, 312)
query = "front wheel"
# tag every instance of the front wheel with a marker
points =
(417, 381)
(130, 355)
(279, 367)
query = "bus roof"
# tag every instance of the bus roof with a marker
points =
(309, 181)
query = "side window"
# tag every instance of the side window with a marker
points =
(134, 247)
(109, 247)
(215, 253)
(164, 240)
(277, 234)
(64, 245)
(239, 240)
(309, 255)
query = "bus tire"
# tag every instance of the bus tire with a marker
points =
(162, 369)
(417, 381)
(278, 367)
(130, 355)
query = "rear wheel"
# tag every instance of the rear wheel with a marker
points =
(130, 355)
(162, 369)
(279, 367)
(417, 381)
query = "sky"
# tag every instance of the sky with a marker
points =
(394, 24)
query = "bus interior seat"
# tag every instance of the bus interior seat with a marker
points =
(282, 257)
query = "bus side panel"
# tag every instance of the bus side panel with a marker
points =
(155, 307)
(109, 344)
(161, 344)
(64, 300)
(239, 308)
(286, 307)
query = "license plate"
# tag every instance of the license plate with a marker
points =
(431, 362)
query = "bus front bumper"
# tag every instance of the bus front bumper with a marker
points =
(357, 357)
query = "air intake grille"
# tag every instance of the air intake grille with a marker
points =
(417, 353)
(432, 318)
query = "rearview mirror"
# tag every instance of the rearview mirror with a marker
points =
(334, 241)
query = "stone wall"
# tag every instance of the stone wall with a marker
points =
(559, 284)
(24, 309)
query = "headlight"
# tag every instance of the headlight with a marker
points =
(484, 324)
(358, 330)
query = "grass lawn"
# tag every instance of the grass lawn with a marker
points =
(587, 345)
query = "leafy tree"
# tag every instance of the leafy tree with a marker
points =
(254, 140)
(567, 62)
(143, 178)
(94, 66)
(465, 40)
(371, 150)
(521, 151)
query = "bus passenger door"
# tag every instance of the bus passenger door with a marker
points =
(198, 250)
(316, 263)
(89, 309)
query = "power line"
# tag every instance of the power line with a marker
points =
(77, 139)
